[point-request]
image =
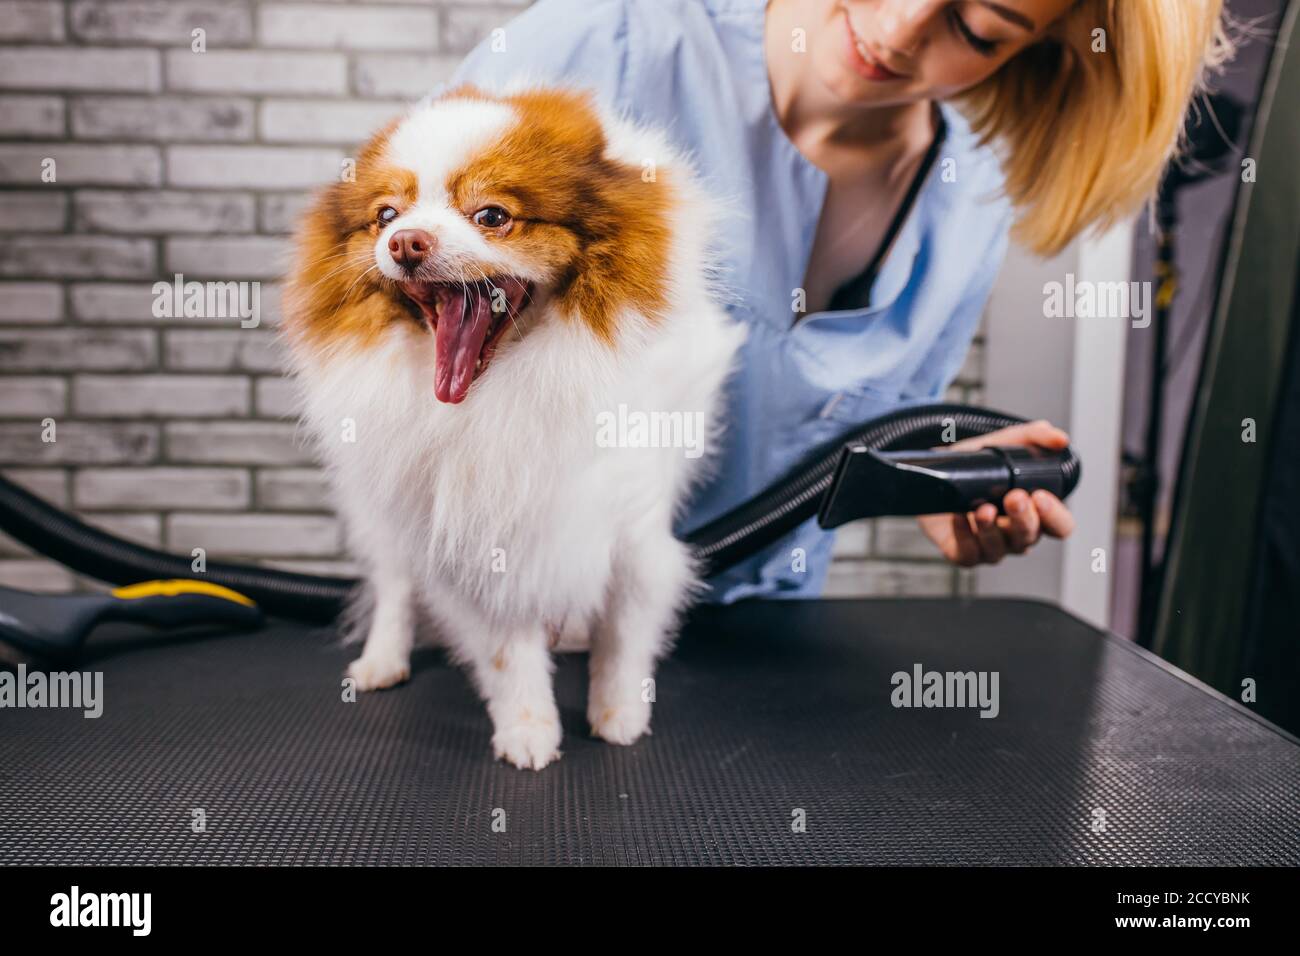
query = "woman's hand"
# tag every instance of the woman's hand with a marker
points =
(985, 537)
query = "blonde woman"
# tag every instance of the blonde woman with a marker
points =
(875, 156)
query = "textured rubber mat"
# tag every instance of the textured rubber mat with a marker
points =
(775, 742)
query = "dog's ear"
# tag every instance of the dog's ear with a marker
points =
(566, 122)
(624, 259)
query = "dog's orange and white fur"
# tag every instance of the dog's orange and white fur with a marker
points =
(504, 269)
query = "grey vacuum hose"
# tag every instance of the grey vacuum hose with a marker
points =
(717, 545)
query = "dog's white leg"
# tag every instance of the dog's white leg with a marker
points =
(511, 667)
(651, 578)
(514, 676)
(386, 658)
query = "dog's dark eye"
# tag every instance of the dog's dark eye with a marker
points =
(387, 214)
(491, 217)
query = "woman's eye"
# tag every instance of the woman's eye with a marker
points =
(491, 217)
(977, 43)
(387, 214)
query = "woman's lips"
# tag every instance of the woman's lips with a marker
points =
(860, 58)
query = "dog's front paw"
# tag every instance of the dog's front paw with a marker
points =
(529, 744)
(622, 723)
(375, 672)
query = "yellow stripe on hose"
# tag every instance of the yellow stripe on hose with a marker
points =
(173, 588)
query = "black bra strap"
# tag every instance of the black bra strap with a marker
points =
(856, 293)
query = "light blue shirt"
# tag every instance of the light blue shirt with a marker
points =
(697, 68)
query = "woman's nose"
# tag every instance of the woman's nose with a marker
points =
(902, 25)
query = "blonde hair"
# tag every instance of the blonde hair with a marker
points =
(1087, 120)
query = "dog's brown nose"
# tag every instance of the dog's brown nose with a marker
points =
(410, 246)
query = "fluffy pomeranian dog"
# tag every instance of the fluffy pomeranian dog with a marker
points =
(507, 275)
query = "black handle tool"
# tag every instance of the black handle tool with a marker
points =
(54, 626)
(871, 484)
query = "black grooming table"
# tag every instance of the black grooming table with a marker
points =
(768, 714)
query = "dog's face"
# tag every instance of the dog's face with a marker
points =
(472, 214)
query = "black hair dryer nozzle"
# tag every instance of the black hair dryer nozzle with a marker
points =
(871, 484)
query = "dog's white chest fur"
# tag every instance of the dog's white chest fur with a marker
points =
(518, 499)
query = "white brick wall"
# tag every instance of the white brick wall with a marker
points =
(178, 432)
(31, 116)
(253, 71)
(168, 118)
(163, 211)
(160, 396)
(80, 68)
(30, 302)
(35, 211)
(218, 489)
(161, 21)
(30, 20)
(323, 121)
(250, 257)
(252, 167)
(334, 27)
(21, 164)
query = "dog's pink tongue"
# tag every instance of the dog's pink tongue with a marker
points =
(463, 323)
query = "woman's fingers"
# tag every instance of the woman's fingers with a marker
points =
(1054, 516)
(1021, 524)
(962, 547)
(993, 545)
(986, 537)
(1042, 433)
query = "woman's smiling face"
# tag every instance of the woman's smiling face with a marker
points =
(880, 52)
